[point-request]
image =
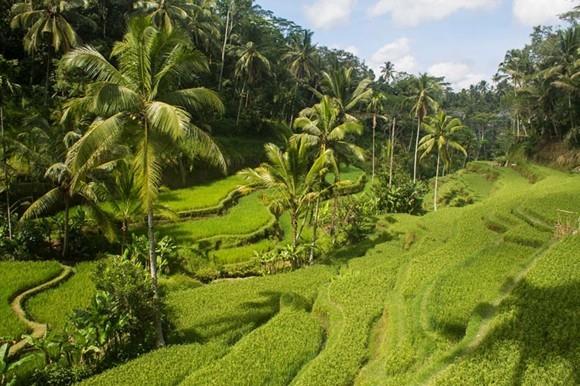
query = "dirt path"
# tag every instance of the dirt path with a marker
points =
(39, 330)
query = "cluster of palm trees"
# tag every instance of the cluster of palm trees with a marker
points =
(545, 85)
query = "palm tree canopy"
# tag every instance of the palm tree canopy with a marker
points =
(141, 96)
(323, 127)
(339, 84)
(424, 92)
(301, 57)
(441, 129)
(49, 19)
(251, 63)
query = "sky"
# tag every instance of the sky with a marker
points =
(463, 40)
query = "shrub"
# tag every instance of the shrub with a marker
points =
(404, 196)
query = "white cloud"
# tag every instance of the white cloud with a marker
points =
(414, 12)
(535, 12)
(352, 49)
(460, 75)
(398, 52)
(326, 14)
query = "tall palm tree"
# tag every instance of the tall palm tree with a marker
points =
(142, 100)
(564, 71)
(46, 24)
(321, 126)
(301, 59)
(387, 72)
(375, 107)
(250, 67)
(291, 178)
(424, 91)
(440, 137)
(339, 84)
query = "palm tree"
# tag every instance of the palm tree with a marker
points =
(339, 84)
(440, 131)
(291, 178)
(424, 91)
(387, 72)
(250, 66)
(142, 99)
(322, 127)
(7, 87)
(64, 192)
(228, 27)
(301, 59)
(46, 24)
(165, 14)
(375, 108)
(565, 70)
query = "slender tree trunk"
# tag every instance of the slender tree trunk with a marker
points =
(6, 177)
(571, 109)
(240, 104)
(47, 80)
(292, 104)
(226, 33)
(374, 133)
(152, 249)
(294, 222)
(153, 269)
(314, 230)
(436, 183)
(66, 227)
(416, 149)
(392, 152)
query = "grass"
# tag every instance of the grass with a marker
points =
(200, 196)
(249, 215)
(17, 276)
(481, 294)
(55, 306)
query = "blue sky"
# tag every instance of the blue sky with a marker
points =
(463, 40)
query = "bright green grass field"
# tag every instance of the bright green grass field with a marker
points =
(15, 277)
(249, 215)
(56, 305)
(201, 196)
(482, 294)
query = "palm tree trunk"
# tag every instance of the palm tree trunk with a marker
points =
(571, 109)
(373, 161)
(153, 269)
(240, 104)
(294, 222)
(47, 80)
(228, 14)
(292, 104)
(392, 152)
(6, 180)
(66, 227)
(416, 149)
(314, 231)
(436, 183)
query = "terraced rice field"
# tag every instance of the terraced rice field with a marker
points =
(435, 299)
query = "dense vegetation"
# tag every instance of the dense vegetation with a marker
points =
(274, 212)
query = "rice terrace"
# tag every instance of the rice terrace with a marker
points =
(311, 192)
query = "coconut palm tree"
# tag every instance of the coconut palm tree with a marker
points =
(142, 100)
(375, 107)
(440, 130)
(250, 67)
(423, 94)
(339, 84)
(387, 72)
(48, 24)
(291, 178)
(301, 59)
(166, 14)
(322, 127)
